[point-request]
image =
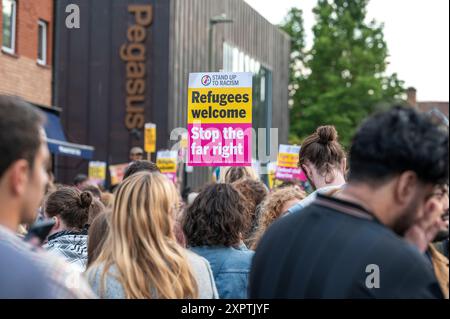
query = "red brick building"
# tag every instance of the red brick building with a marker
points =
(26, 67)
(441, 107)
(26, 36)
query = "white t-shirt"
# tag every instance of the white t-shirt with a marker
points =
(311, 198)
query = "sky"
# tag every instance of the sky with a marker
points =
(416, 32)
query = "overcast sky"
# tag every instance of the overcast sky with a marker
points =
(416, 32)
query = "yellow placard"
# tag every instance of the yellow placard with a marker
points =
(271, 179)
(287, 160)
(271, 170)
(150, 138)
(97, 171)
(167, 165)
(219, 105)
(167, 161)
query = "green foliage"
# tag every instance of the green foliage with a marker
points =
(341, 79)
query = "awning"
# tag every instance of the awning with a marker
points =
(57, 142)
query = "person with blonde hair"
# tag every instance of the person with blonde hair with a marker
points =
(274, 206)
(97, 234)
(107, 200)
(141, 257)
(232, 174)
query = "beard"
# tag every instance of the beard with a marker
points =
(408, 217)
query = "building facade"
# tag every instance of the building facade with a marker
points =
(128, 64)
(26, 37)
(26, 68)
(439, 108)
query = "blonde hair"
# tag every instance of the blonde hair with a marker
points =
(107, 199)
(141, 243)
(271, 209)
(232, 174)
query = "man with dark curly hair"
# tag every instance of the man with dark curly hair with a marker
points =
(369, 240)
(213, 226)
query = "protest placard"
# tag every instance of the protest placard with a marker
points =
(271, 169)
(167, 163)
(116, 172)
(287, 163)
(150, 138)
(220, 119)
(97, 172)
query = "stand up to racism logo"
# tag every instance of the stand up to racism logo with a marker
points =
(206, 80)
(220, 119)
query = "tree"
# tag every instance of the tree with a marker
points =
(294, 27)
(343, 79)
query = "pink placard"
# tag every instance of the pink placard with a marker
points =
(220, 144)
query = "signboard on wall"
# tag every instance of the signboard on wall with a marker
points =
(167, 164)
(97, 172)
(134, 54)
(150, 138)
(287, 163)
(117, 172)
(220, 119)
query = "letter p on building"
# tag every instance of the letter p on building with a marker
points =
(142, 13)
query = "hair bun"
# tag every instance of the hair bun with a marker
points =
(85, 199)
(326, 134)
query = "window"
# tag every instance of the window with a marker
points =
(42, 42)
(235, 60)
(9, 25)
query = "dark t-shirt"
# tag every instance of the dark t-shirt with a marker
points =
(336, 249)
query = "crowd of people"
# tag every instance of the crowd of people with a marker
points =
(375, 226)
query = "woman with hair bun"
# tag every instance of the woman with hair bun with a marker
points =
(69, 207)
(324, 163)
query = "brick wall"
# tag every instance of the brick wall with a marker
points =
(23, 77)
(19, 73)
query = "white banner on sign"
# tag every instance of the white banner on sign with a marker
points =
(219, 79)
(167, 154)
(291, 149)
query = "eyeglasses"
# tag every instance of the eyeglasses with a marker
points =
(137, 154)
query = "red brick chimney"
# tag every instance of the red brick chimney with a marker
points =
(411, 97)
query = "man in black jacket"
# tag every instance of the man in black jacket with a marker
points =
(369, 240)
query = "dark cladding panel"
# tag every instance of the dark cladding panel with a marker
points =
(159, 65)
(249, 32)
(71, 57)
(91, 80)
(99, 77)
(119, 135)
